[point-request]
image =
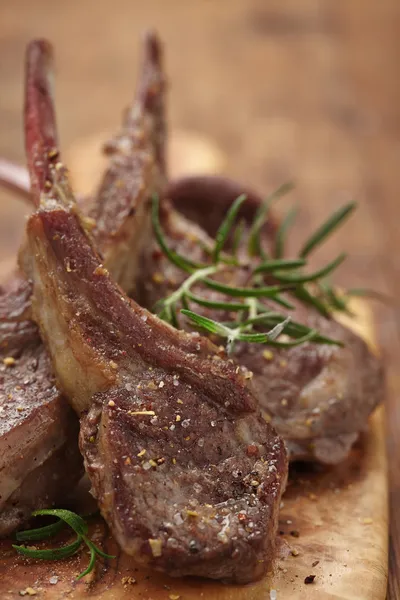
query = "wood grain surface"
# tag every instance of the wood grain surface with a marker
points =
(306, 90)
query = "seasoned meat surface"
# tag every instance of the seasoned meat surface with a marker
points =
(187, 473)
(39, 456)
(317, 396)
(36, 423)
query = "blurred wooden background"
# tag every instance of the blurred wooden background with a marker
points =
(264, 91)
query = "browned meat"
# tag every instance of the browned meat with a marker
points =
(39, 456)
(318, 397)
(186, 471)
(35, 421)
(136, 172)
(205, 199)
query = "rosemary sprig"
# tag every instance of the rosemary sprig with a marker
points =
(265, 278)
(300, 278)
(327, 228)
(282, 232)
(281, 264)
(234, 334)
(254, 246)
(180, 261)
(76, 523)
(226, 226)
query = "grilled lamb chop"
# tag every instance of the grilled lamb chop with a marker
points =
(38, 431)
(186, 471)
(318, 397)
(39, 455)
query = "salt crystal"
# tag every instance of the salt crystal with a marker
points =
(53, 580)
(213, 423)
(186, 423)
(178, 519)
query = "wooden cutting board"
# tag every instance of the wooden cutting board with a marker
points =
(333, 524)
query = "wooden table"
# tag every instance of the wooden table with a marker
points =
(306, 90)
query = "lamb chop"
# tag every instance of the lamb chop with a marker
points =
(38, 431)
(39, 457)
(186, 472)
(317, 396)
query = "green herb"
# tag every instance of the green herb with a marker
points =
(237, 334)
(282, 232)
(226, 226)
(180, 261)
(273, 279)
(327, 228)
(237, 236)
(76, 523)
(299, 278)
(254, 243)
(280, 264)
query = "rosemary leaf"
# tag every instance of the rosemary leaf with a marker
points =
(226, 226)
(300, 278)
(327, 228)
(41, 533)
(72, 519)
(207, 324)
(309, 337)
(180, 261)
(231, 306)
(97, 549)
(91, 564)
(282, 232)
(281, 301)
(76, 523)
(254, 244)
(305, 297)
(279, 263)
(278, 329)
(334, 300)
(238, 236)
(185, 302)
(293, 328)
(255, 338)
(263, 338)
(51, 553)
(248, 292)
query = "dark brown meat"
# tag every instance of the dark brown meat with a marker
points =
(186, 471)
(39, 456)
(35, 420)
(318, 397)
(205, 199)
(136, 172)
